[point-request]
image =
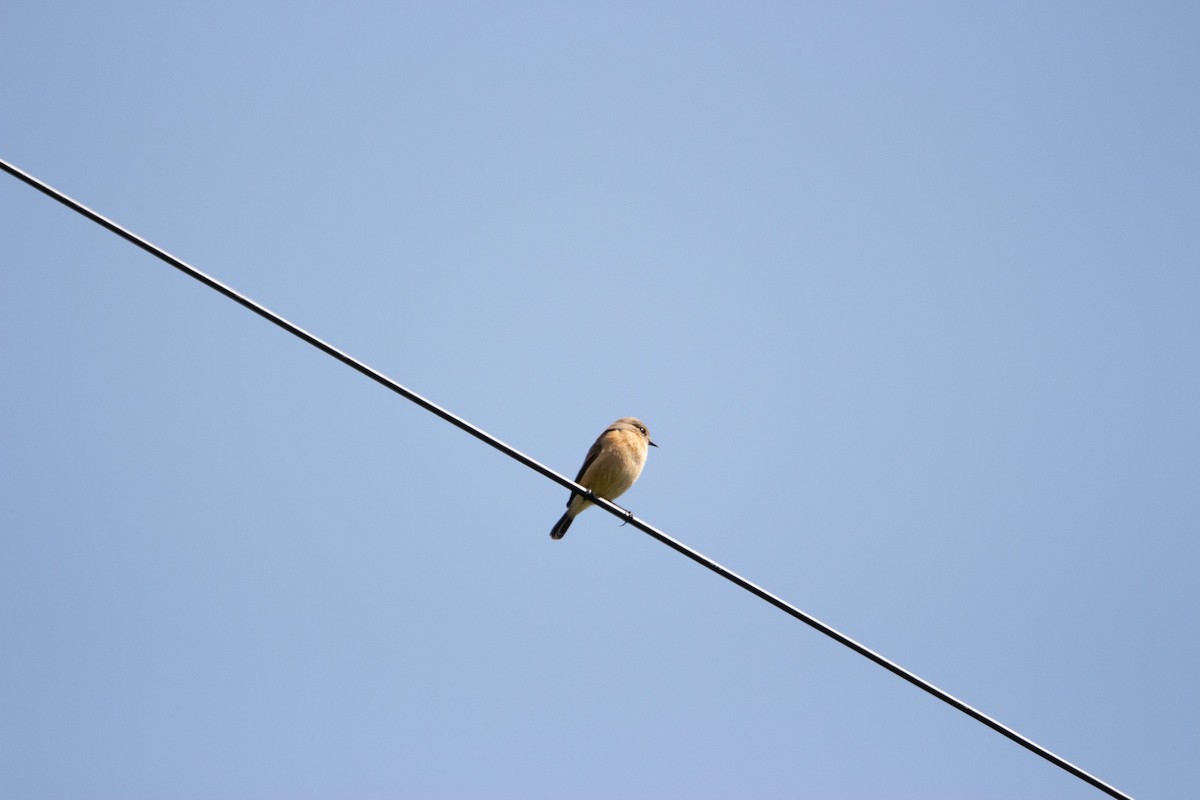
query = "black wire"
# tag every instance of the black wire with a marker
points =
(607, 505)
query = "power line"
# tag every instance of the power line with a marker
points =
(607, 505)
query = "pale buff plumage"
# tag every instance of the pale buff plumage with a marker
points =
(612, 465)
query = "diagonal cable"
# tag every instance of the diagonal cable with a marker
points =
(607, 505)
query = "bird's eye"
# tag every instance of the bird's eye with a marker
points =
(640, 428)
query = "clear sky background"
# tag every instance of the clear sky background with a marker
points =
(909, 295)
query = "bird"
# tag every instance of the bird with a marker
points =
(611, 466)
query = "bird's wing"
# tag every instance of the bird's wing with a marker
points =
(591, 456)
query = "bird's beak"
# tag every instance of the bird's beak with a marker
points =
(652, 444)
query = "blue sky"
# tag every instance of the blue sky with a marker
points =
(907, 293)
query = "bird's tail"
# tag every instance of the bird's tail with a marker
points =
(560, 528)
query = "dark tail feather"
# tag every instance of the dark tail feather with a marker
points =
(560, 528)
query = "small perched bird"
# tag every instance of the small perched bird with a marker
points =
(611, 467)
